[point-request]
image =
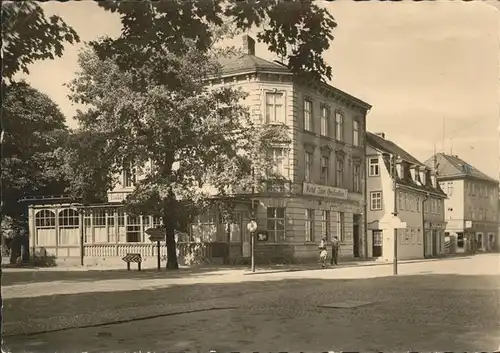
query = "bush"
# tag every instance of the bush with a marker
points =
(194, 254)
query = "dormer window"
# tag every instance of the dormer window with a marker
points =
(427, 177)
(413, 174)
(433, 180)
(423, 175)
(399, 169)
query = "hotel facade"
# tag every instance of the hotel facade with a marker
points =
(321, 193)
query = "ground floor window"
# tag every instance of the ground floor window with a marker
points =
(460, 240)
(133, 234)
(276, 224)
(309, 224)
(340, 226)
(325, 224)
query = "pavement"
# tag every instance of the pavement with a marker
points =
(443, 305)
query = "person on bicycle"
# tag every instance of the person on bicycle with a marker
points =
(323, 253)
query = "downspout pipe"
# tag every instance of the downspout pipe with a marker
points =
(424, 238)
(365, 206)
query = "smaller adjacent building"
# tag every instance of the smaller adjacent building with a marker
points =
(472, 206)
(418, 199)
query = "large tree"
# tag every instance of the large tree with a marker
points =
(35, 130)
(27, 35)
(181, 141)
(298, 31)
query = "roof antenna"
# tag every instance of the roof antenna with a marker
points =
(451, 146)
(443, 132)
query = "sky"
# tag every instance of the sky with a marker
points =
(429, 69)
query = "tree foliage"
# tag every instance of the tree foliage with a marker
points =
(185, 143)
(34, 130)
(28, 35)
(297, 30)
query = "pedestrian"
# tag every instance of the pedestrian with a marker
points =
(335, 250)
(323, 253)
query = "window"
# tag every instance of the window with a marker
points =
(99, 218)
(128, 177)
(133, 229)
(339, 126)
(309, 224)
(308, 166)
(69, 218)
(401, 201)
(373, 167)
(204, 228)
(355, 136)
(340, 171)
(341, 226)
(324, 121)
(407, 202)
(324, 170)
(376, 200)
(308, 121)
(278, 157)
(276, 224)
(145, 222)
(413, 236)
(418, 204)
(357, 178)
(111, 218)
(274, 108)
(325, 224)
(121, 218)
(45, 218)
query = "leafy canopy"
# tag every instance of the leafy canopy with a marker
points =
(185, 143)
(28, 36)
(35, 130)
(297, 30)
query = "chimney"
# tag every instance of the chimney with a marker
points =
(248, 45)
(380, 134)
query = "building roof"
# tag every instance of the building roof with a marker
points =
(249, 63)
(453, 167)
(388, 146)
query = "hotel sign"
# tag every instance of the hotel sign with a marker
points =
(324, 191)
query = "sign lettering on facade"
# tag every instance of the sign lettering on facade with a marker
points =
(324, 191)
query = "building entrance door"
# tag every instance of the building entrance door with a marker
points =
(377, 243)
(355, 236)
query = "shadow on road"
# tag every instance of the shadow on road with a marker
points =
(442, 309)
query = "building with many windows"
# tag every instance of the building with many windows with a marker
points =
(418, 199)
(321, 161)
(471, 209)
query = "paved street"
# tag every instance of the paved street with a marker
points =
(450, 304)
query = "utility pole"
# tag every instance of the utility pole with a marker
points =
(252, 217)
(395, 214)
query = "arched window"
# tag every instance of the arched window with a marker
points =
(45, 219)
(68, 218)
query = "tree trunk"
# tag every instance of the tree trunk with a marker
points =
(168, 221)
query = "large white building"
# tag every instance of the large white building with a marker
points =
(419, 203)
